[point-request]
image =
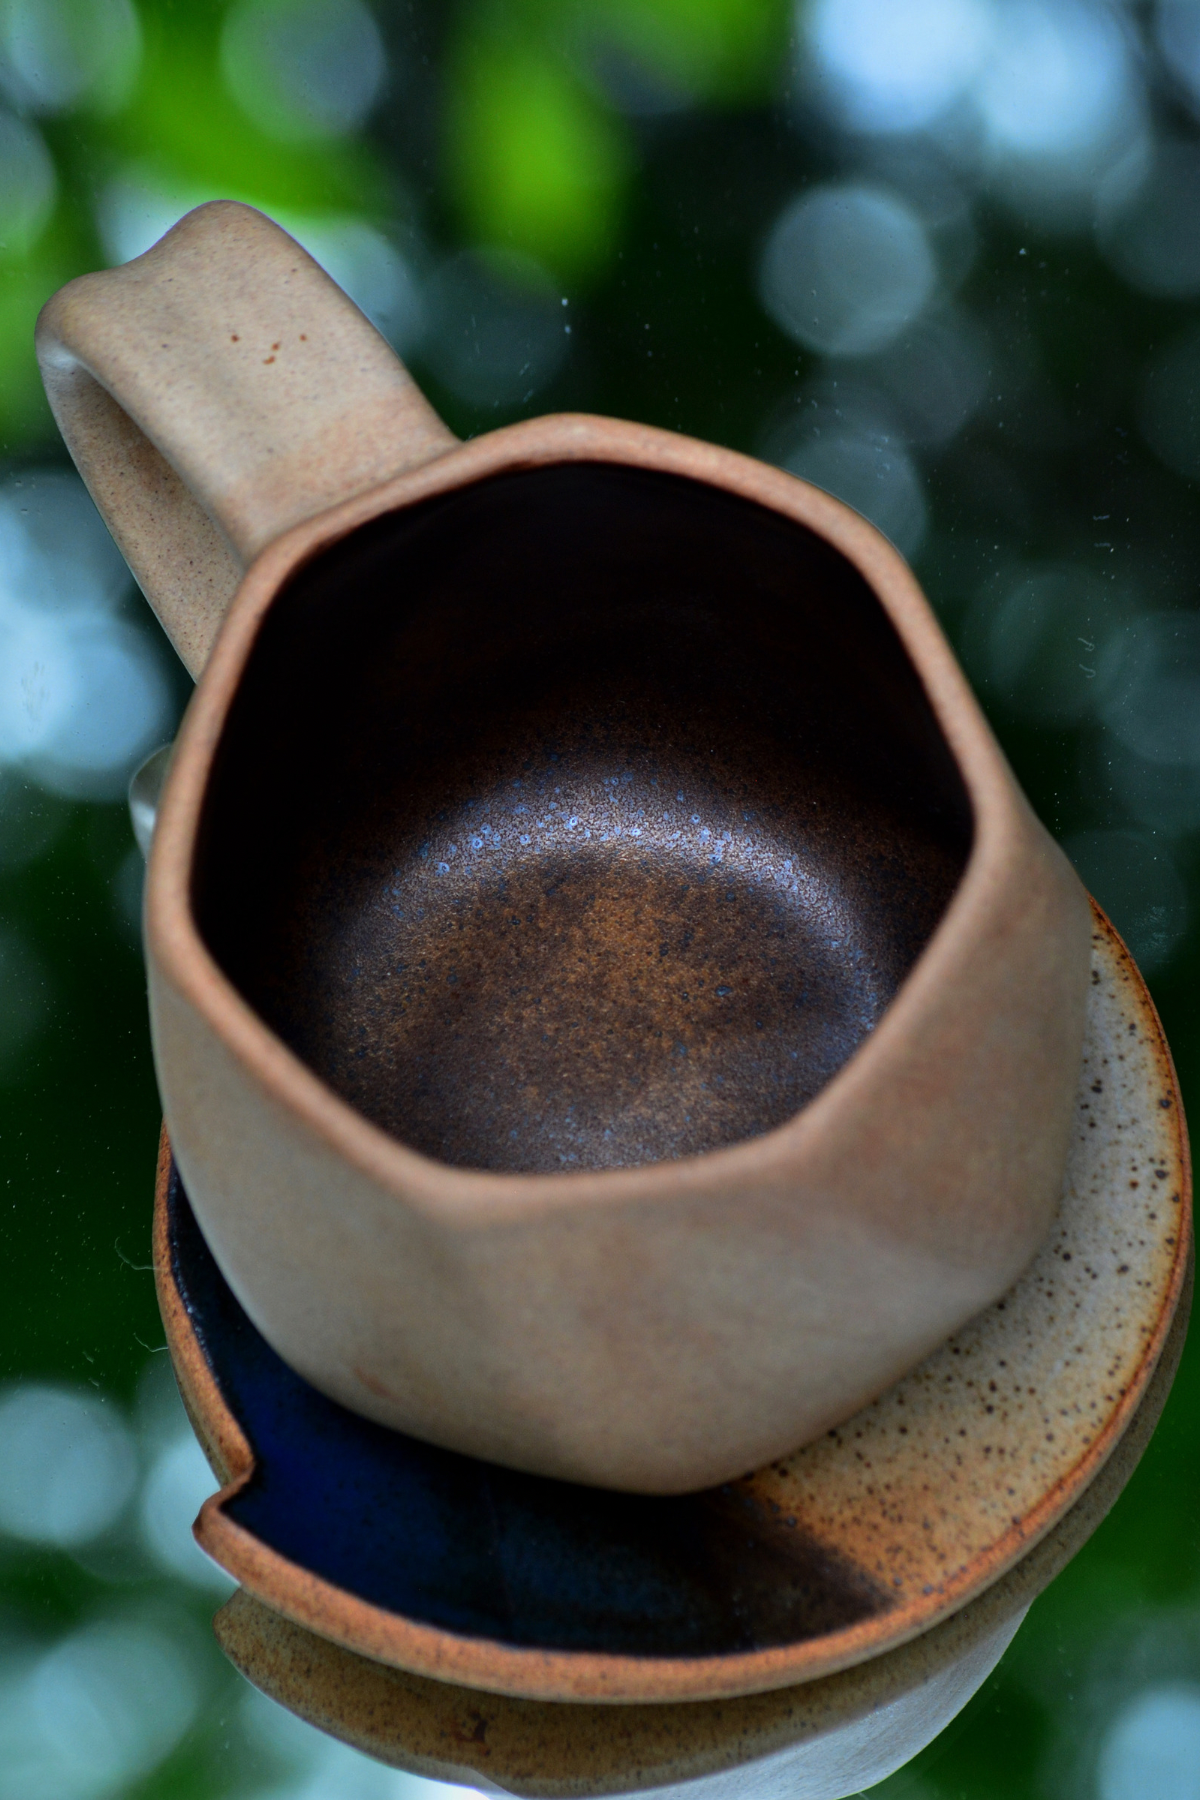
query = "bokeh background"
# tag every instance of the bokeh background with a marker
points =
(941, 257)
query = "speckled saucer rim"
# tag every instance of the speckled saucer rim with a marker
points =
(548, 1751)
(484, 1663)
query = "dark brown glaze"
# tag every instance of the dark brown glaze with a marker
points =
(602, 831)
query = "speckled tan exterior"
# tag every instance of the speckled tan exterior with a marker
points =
(937, 1489)
(215, 393)
(826, 1740)
(969, 1454)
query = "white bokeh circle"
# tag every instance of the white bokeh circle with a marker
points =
(846, 268)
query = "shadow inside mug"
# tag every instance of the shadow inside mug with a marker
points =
(580, 818)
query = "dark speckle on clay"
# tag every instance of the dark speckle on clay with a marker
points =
(1058, 1340)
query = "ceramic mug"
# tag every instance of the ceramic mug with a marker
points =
(614, 1010)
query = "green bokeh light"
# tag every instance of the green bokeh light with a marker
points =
(535, 162)
(633, 158)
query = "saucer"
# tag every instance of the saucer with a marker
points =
(832, 1736)
(870, 1537)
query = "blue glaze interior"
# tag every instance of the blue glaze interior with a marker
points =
(482, 1551)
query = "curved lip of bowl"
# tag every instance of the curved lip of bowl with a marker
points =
(548, 1674)
(174, 940)
(616, 1753)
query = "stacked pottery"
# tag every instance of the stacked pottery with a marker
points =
(617, 1021)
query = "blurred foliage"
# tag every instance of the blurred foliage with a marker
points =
(536, 162)
(184, 126)
(635, 154)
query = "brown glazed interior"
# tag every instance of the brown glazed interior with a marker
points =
(580, 818)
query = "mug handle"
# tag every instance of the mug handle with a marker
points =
(213, 393)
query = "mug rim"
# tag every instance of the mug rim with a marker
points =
(1000, 815)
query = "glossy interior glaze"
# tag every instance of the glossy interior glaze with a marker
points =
(580, 818)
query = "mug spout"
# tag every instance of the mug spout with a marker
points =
(216, 392)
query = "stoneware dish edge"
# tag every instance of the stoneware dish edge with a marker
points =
(342, 1618)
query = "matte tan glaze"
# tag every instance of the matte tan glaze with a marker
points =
(937, 1489)
(250, 395)
(655, 1328)
(827, 1737)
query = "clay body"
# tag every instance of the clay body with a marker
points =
(637, 1149)
(864, 1540)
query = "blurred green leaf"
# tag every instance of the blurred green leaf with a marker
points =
(65, 55)
(26, 283)
(720, 51)
(536, 163)
(184, 123)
